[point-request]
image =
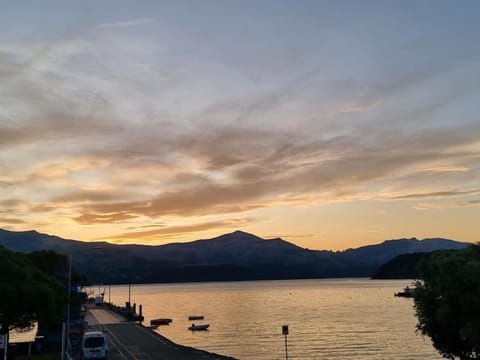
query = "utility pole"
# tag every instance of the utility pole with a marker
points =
(68, 304)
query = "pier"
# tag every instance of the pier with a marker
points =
(133, 341)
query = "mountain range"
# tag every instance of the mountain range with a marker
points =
(234, 256)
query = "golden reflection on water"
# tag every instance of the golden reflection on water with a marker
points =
(328, 318)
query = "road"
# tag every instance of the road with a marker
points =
(132, 341)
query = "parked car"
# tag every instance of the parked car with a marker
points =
(94, 345)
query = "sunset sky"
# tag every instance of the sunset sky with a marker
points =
(331, 124)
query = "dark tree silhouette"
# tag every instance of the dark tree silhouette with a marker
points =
(56, 264)
(447, 302)
(27, 293)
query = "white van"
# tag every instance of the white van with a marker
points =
(94, 345)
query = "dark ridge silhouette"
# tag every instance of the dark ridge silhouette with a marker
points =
(234, 256)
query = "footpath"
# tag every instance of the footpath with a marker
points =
(132, 341)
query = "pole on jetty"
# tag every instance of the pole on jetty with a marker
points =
(285, 332)
(129, 285)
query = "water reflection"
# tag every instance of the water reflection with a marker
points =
(328, 319)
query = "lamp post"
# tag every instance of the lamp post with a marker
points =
(68, 305)
(66, 329)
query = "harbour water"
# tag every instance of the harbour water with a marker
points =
(327, 318)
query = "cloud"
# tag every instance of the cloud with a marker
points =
(160, 170)
(99, 129)
(11, 221)
(86, 196)
(262, 169)
(172, 232)
(11, 203)
(128, 23)
(446, 205)
(437, 194)
(207, 200)
(446, 169)
(105, 218)
(358, 107)
(287, 236)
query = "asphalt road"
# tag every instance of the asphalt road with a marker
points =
(132, 341)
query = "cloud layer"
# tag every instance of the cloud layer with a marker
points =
(127, 124)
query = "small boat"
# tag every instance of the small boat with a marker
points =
(198, 327)
(407, 292)
(160, 321)
(196, 317)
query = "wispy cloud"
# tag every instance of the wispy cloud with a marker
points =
(446, 169)
(449, 193)
(127, 23)
(446, 205)
(172, 232)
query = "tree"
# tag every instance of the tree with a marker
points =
(56, 264)
(447, 302)
(27, 294)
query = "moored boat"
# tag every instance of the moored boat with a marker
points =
(407, 292)
(199, 327)
(160, 321)
(196, 317)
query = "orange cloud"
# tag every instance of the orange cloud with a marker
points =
(172, 232)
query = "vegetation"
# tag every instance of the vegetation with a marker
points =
(401, 267)
(447, 302)
(27, 293)
(55, 264)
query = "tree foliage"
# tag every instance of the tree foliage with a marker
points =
(447, 302)
(27, 293)
(56, 264)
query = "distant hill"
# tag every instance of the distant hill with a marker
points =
(401, 267)
(381, 253)
(234, 256)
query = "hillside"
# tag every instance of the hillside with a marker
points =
(234, 256)
(381, 253)
(400, 267)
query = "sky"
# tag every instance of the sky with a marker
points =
(331, 124)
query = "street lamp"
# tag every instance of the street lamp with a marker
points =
(66, 330)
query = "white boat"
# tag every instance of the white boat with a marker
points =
(198, 327)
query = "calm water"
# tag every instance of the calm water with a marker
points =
(328, 319)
